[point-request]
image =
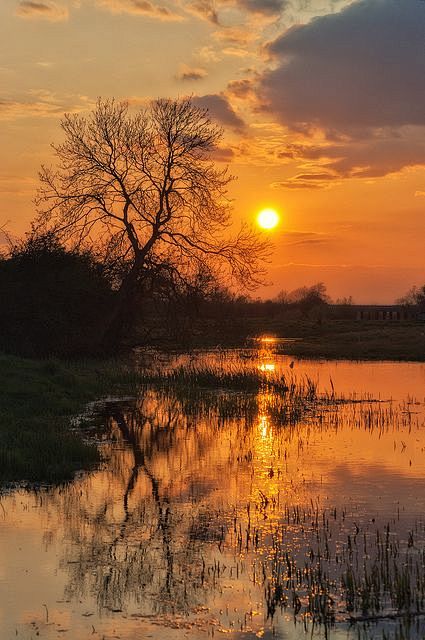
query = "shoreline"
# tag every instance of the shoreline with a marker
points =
(38, 442)
(349, 341)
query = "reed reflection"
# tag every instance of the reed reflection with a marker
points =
(144, 530)
(202, 486)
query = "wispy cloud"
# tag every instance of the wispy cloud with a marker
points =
(385, 151)
(42, 104)
(143, 8)
(187, 73)
(17, 185)
(42, 10)
(298, 238)
(223, 154)
(205, 9)
(306, 181)
(217, 11)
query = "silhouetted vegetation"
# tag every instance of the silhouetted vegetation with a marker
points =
(202, 313)
(415, 296)
(141, 190)
(55, 301)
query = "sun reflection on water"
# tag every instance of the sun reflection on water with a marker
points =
(267, 340)
(208, 498)
(267, 366)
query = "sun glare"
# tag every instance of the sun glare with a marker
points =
(268, 219)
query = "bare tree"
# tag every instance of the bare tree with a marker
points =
(142, 185)
(415, 296)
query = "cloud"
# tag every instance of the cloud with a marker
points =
(361, 68)
(381, 154)
(236, 37)
(204, 9)
(42, 104)
(191, 73)
(218, 11)
(297, 238)
(242, 89)
(14, 109)
(208, 54)
(141, 8)
(264, 7)
(220, 109)
(307, 181)
(17, 185)
(44, 64)
(223, 154)
(41, 10)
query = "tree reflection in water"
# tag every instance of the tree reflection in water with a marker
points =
(205, 491)
(140, 530)
(126, 544)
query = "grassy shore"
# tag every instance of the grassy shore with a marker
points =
(385, 342)
(349, 340)
(37, 400)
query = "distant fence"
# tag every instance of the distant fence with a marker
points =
(382, 313)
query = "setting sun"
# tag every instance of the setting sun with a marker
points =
(268, 219)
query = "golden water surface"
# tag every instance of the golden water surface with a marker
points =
(201, 506)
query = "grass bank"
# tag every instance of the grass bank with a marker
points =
(37, 400)
(362, 342)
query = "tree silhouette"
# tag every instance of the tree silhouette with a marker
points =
(141, 188)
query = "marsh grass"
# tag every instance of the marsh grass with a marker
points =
(327, 568)
(37, 401)
(39, 398)
(234, 376)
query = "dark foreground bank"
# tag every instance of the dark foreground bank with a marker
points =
(37, 401)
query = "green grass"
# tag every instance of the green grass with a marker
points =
(37, 400)
(359, 341)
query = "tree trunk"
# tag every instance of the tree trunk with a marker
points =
(121, 321)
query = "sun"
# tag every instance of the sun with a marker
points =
(268, 218)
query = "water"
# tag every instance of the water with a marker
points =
(210, 517)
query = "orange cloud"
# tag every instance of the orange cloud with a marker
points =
(215, 10)
(41, 104)
(41, 10)
(140, 8)
(307, 181)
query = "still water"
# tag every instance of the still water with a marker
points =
(218, 513)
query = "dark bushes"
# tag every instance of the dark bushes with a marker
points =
(53, 301)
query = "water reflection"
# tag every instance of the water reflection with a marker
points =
(210, 513)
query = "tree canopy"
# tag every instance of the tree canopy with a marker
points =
(415, 296)
(142, 189)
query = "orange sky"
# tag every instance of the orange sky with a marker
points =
(322, 102)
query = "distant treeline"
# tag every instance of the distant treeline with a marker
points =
(57, 301)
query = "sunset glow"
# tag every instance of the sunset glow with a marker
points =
(348, 173)
(268, 219)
